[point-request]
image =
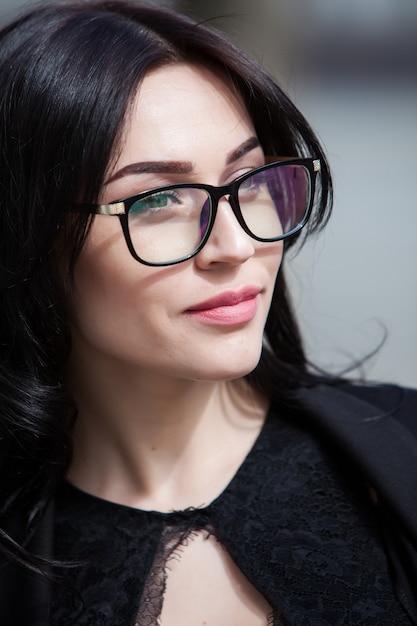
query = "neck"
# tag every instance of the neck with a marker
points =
(160, 443)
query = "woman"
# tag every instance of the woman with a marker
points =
(167, 455)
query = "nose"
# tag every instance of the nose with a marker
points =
(228, 242)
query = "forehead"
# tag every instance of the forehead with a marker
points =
(182, 109)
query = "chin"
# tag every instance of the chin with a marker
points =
(230, 367)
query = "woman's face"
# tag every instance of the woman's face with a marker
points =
(203, 318)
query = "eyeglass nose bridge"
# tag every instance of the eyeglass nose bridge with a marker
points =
(230, 194)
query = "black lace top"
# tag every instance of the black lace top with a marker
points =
(298, 525)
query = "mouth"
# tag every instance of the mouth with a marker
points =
(227, 308)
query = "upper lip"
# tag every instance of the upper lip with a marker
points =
(227, 298)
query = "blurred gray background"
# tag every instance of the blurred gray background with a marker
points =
(351, 67)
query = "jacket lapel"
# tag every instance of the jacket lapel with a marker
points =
(378, 443)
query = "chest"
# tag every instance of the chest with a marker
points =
(288, 542)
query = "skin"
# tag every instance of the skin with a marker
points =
(165, 418)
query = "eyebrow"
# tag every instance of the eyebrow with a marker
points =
(179, 167)
(244, 148)
(153, 167)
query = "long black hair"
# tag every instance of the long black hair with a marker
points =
(68, 74)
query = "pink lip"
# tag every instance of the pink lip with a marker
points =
(228, 308)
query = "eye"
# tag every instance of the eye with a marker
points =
(155, 202)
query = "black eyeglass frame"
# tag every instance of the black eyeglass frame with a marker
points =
(121, 208)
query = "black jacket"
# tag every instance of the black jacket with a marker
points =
(374, 427)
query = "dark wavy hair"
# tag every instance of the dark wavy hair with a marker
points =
(68, 74)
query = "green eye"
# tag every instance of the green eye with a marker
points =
(158, 201)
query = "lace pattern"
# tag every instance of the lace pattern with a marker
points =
(297, 524)
(174, 540)
(151, 603)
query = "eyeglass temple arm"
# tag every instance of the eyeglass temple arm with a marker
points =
(118, 208)
(271, 158)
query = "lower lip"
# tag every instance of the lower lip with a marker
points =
(240, 313)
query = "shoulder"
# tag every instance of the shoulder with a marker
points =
(389, 400)
(361, 404)
(383, 395)
(375, 429)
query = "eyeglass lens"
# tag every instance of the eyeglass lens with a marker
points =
(170, 224)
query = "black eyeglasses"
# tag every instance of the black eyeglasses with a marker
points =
(171, 224)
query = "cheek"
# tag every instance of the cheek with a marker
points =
(102, 276)
(115, 298)
(105, 265)
(273, 255)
